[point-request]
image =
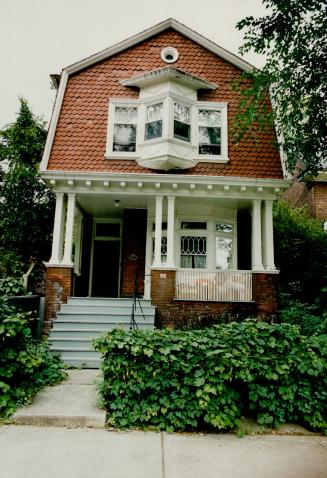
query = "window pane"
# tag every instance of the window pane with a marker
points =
(153, 130)
(124, 137)
(125, 114)
(224, 227)
(193, 225)
(182, 131)
(153, 112)
(191, 245)
(182, 113)
(209, 118)
(223, 252)
(209, 140)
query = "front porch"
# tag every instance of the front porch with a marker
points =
(203, 243)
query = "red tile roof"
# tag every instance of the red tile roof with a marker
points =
(80, 140)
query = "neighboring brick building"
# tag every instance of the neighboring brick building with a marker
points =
(313, 193)
(149, 182)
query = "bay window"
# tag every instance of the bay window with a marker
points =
(188, 131)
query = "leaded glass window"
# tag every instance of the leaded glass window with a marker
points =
(222, 227)
(182, 122)
(193, 252)
(153, 121)
(209, 132)
(125, 129)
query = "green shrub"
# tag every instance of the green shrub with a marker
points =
(301, 254)
(25, 366)
(307, 317)
(11, 286)
(207, 379)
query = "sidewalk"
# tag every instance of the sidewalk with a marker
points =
(44, 452)
(52, 451)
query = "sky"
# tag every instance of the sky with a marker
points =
(40, 37)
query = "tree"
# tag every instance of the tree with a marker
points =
(301, 254)
(294, 37)
(27, 205)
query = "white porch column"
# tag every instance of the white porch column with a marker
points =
(170, 231)
(256, 236)
(78, 244)
(157, 233)
(67, 259)
(57, 242)
(268, 236)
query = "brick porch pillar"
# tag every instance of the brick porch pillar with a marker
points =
(162, 289)
(58, 286)
(265, 294)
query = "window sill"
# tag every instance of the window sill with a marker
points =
(211, 159)
(121, 156)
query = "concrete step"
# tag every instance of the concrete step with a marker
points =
(82, 362)
(100, 309)
(78, 334)
(104, 301)
(97, 326)
(70, 343)
(103, 317)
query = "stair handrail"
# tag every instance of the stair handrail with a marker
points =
(136, 299)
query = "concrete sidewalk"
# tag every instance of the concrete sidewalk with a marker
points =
(45, 452)
(70, 403)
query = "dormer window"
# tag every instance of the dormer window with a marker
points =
(167, 127)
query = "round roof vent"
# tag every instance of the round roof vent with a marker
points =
(169, 54)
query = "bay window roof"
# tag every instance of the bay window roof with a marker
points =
(169, 73)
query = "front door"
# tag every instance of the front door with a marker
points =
(105, 266)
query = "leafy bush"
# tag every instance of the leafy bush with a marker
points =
(307, 317)
(11, 286)
(205, 379)
(301, 254)
(25, 366)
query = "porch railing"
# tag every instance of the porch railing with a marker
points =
(231, 286)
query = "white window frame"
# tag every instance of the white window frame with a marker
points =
(210, 233)
(110, 129)
(222, 107)
(168, 100)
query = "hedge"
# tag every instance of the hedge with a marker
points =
(26, 366)
(207, 379)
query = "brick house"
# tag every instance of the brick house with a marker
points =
(149, 183)
(313, 193)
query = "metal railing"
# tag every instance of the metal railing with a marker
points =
(231, 286)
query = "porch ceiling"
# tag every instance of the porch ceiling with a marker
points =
(105, 205)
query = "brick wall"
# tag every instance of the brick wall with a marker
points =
(320, 200)
(133, 247)
(182, 313)
(314, 194)
(58, 286)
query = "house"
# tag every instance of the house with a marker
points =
(313, 193)
(151, 191)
